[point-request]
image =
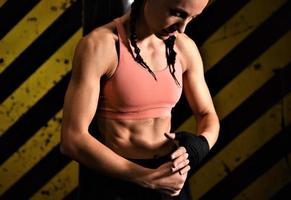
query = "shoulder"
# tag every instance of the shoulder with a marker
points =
(99, 40)
(97, 49)
(188, 52)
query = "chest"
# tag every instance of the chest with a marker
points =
(155, 58)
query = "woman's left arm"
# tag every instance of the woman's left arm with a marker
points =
(198, 95)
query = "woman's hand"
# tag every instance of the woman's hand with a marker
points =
(196, 146)
(171, 176)
(169, 181)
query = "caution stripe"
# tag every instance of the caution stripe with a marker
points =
(255, 105)
(29, 28)
(221, 11)
(253, 167)
(245, 52)
(237, 28)
(11, 12)
(36, 86)
(238, 151)
(31, 121)
(61, 185)
(38, 176)
(253, 76)
(269, 183)
(47, 43)
(37, 147)
(64, 23)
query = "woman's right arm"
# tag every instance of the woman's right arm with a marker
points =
(93, 58)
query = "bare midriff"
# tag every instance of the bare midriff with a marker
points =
(137, 139)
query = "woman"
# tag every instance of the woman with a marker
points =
(126, 77)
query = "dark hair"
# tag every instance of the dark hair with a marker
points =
(170, 52)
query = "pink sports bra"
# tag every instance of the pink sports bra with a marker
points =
(132, 92)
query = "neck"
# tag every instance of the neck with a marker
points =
(141, 28)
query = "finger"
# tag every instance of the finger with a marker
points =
(170, 136)
(184, 170)
(170, 192)
(164, 170)
(176, 193)
(181, 165)
(180, 159)
(180, 151)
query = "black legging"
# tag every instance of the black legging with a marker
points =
(96, 186)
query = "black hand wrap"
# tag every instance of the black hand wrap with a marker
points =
(196, 146)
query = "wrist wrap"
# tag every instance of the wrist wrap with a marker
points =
(196, 146)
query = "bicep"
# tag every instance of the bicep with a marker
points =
(197, 94)
(82, 95)
(195, 87)
(80, 103)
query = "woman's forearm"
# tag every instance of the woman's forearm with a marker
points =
(85, 149)
(208, 126)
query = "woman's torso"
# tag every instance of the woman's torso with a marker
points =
(137, 138)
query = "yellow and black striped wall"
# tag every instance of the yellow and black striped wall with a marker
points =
(245, 45)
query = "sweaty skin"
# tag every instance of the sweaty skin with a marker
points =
(96, 58)
(137, 138)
